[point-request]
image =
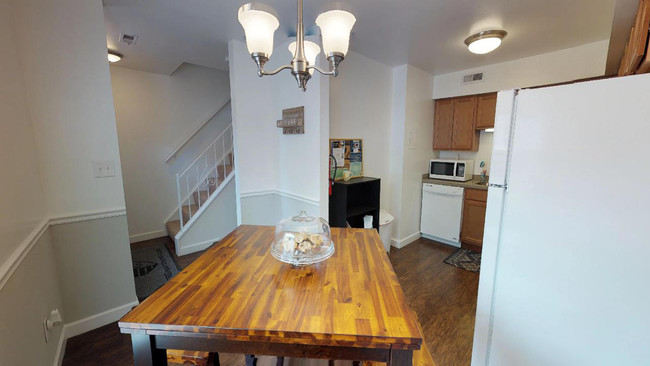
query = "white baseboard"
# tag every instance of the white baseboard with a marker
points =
(98, 320)
(60, 348)
(401, 243)
(440, 240)
(192, 248)
(147, 236)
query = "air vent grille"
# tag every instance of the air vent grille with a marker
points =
(472, 78)
(128, 38)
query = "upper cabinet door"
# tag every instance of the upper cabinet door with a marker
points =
(443, 124)
(486, 105)
(465, 136)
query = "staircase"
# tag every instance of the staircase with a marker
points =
(201, 182)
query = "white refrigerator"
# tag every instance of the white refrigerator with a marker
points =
(565, 273)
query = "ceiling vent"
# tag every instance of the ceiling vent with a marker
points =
(473, 78)
(128, 38)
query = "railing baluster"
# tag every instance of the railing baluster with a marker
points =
(203, 176)
(180, 202)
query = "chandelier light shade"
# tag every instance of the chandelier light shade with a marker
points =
(311, 52)
(485, 42)
(335, 27)
(259, 26)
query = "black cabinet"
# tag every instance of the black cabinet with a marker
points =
(351, 201)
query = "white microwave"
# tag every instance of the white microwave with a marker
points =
(459, 170)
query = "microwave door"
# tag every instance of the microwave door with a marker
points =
(443, 168)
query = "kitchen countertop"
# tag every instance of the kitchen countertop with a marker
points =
(469, 184)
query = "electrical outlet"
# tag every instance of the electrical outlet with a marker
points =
(413, 139)
(104, 169)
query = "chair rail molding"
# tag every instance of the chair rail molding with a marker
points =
(20, 253)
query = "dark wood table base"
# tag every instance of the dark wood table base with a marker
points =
(150, 350)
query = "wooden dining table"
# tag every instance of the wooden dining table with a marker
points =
(237, 298)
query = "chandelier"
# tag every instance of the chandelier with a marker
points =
(260, 24)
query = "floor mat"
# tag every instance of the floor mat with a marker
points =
(152, 267)
(466, 259)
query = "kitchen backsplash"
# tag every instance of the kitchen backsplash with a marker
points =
(483, 154)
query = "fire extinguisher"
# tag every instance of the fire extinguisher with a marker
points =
(332, 173)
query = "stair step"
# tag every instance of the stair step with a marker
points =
(220, 170)
(186, 212)
(173, 227)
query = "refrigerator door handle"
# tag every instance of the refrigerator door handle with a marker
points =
(504, 186)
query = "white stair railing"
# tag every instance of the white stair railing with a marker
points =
(202, 178)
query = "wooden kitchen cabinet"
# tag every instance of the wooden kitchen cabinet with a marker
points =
(444, 124)
(471, 233)
(453, 124)
(486, 108)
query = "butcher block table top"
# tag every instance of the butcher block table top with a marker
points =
(238, 293)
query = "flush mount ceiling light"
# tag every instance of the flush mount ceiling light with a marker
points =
(486, 41)
(114, 56)
(259, 25)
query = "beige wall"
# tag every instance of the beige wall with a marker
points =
(94, 266)
(28, 296)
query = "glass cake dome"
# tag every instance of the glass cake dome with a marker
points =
(302, 240)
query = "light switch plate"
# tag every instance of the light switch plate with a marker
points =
(104, 169)
(413, 139)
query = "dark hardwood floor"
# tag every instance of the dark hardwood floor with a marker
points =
(443, 296)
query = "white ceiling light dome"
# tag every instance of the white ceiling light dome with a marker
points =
(259, 26)
(335, 27)
(485, 42)
(114, 56)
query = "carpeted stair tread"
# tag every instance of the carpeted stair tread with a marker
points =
(173, 227)
(187, 210)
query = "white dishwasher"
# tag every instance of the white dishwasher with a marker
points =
(442, 211)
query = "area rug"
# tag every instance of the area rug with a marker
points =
(152, 267)
(465, 259)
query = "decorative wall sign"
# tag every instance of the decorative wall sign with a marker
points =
(293, 121)
(349, 156)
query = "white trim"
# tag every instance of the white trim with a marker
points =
(441, 240)
(60, 348)
(188, 249)
(98, 320)
(11, 264)
(399, 244)
(87, 216)
(147, 236)
(19, 254)
(296, 197)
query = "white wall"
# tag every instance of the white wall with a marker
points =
(417, 145)
(565, 65)
(63, 100)
(290, 168)
(155, 114)
(360, 107)
(22, 207)
(68, 85)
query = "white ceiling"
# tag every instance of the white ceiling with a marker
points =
(427, 34)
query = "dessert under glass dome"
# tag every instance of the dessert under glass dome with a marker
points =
(301, 240)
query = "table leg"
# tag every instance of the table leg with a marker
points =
(145, 352)
(401, 357)
(251, 360)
